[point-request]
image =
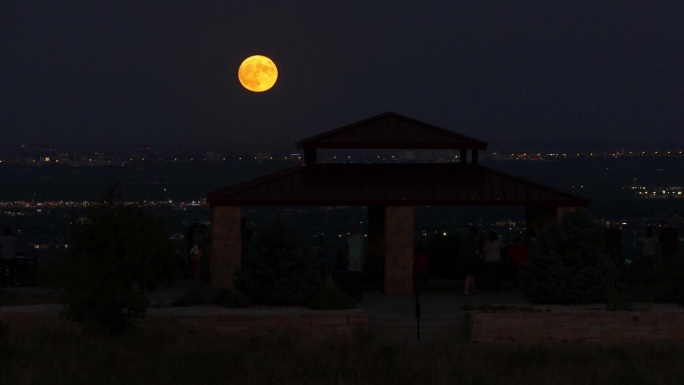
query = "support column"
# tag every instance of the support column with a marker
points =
(226, 245)
(374, 268)
(398, 250)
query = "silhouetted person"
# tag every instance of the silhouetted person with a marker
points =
(197, 253)
(189, 243)
(530, 237)
(318, 250)
(492, 256)
(669, 240)
(354, 250)
(492, 248)
(613, 236)
(649, 253)
(472, 259)
(421, 268)
(8, 250)
(354, 262)
(518, 253)
(206, 240)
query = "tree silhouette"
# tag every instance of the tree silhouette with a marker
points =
(116, 254)
(569, 263)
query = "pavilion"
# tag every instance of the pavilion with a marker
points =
(389, 191)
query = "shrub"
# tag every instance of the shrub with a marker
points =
(330, 297)
(230, 298)
(279, 269)
(199, 293)
(196, 293)
(115, 255)
(569, 263)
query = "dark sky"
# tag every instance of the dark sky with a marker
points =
(165, 72)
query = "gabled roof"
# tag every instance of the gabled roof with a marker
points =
(391, 185)
(390, 130)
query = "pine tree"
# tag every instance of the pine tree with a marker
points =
(569, 263)
(279, 269)
(115, 255)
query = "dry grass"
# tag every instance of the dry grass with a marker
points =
(60, 358)
(9, 298)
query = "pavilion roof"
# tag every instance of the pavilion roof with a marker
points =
(426, 184)
(391, 131)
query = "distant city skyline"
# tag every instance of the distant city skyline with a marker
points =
(653, 148)
(165, 73)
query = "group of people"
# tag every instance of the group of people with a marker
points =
(482, 256)
(656, 249)
(661, 248)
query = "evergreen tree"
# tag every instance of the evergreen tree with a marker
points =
(279, 269)
(115, 255)
(569, 263)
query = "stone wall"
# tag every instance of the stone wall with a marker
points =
(307, 327)
(300, 326)
(589, 326)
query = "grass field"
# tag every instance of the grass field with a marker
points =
(61, 358)
(22, 299)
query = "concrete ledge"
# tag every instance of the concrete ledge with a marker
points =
(568, 326)
(209, 322)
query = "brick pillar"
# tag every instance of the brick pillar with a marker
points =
(398, 250)
(226, 245)
(374, 267)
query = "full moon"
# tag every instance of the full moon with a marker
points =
(258, 73)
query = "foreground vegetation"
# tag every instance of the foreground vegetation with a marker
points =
(61, 358)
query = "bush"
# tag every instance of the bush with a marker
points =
(198, 293)
(569, 263)
(279, 269)
(330, 297)
(116, 254)
(231, 298)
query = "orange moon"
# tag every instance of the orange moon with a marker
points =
(258, 73)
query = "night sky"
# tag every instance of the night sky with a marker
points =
(165, 72)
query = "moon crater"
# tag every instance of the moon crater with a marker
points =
(258, 73)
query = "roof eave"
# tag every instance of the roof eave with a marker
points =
(385, 146)
(395, 202)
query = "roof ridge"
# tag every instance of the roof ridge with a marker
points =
(326, 139)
